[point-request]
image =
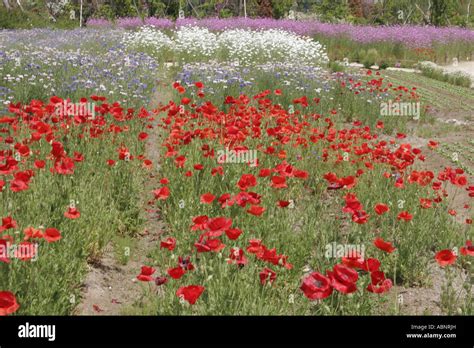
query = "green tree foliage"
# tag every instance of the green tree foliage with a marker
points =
(383, 12)
(331, 10)
(281, 7)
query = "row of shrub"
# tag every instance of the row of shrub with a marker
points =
(454, 78)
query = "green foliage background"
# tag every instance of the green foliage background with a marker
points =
(35, 13)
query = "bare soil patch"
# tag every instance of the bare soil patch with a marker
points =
(111, 287)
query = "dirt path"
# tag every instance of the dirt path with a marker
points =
(111, 286)
(426, 299)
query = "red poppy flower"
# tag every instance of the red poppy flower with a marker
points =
(209, 244)
(244, 198)
(160, 281)
(65, 166)
(190, 293)
(17, 185)
(278, 182)
(283, 204)
(147, 164)
(460, 181)
(246, 181)
(40, 164)
(237, 256)
(381, 208)
(218, 225)
(303, 101)
(233, 233)
(267, 276)
(185, 263)
(164, 181)
(399, 183)
(379, 284)
(162, 193)
(199, 85)
(470, 189)
(268, 255)
(425, 203)
(24, 176)
(57, 149)
(110, 162)
(31, 232)
(169, 243)
(180, 161)
(383, 245)
(78, 157)
(404, 215)
(316, 286)
(207, 198)
(7, 223)
(51, 235)
(72, 213)
(354, 260)
(348, 182)
(8, 303)
(200, 223)
(445, 257)
(360, 217)
(352, 204)
(371, 265)
(226, 200)
(301, 174)
(256, 210)
(256, 247)
(468, 249)
(343, 279)
(176, 272)
(146, 274)
(218, 170)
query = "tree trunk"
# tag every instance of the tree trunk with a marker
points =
(19, 4)
(468, 12)
(7, 5)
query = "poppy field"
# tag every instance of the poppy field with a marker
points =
(281, 187)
